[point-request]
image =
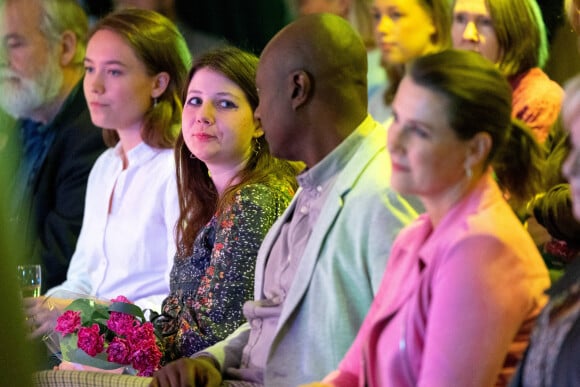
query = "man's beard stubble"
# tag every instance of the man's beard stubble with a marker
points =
(20, 96)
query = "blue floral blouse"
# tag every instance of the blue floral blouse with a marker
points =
(209, 288)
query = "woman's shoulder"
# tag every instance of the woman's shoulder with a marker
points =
(537, 86)
(274, 189)
(482, 217)
(106, 161)
(165, 155)
(158, 161)
(495, 224)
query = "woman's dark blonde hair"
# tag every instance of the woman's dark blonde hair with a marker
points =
(156, 41)
(521, 35)
(198, 196)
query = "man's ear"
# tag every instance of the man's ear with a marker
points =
(68, 45)
(478, 149)
(160, 84)
(301, 87)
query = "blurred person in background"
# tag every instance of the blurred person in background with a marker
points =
(550, 217)
(41, 68)
(552, 357)
(512, 35)
(12, 326)
(404, 31)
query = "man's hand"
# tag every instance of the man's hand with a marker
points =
(187, 372)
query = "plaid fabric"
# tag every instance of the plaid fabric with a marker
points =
(103, 379)
(87, 379)
(239, 383)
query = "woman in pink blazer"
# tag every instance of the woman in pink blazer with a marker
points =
(465, 281)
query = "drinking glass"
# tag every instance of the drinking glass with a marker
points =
(29, 280)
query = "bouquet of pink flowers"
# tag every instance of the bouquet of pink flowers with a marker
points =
(109, 336)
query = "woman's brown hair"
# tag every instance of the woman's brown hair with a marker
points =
(156, 41)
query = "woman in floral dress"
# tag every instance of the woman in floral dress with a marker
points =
(231, 190)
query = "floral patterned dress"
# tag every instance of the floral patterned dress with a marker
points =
(209, 288)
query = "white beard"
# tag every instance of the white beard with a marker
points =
(20, 97)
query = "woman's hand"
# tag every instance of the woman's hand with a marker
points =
(41, 314)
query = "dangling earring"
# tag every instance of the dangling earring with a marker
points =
(257, 147)
(155, 101)
(468, 172)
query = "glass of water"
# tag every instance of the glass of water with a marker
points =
(30, 280)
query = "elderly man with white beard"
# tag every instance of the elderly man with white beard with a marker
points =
(41, 65)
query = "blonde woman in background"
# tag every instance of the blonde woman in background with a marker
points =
(404, 31)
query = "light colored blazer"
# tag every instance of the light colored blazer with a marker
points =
(339, 273)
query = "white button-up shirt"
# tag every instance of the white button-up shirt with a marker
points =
(129, 249)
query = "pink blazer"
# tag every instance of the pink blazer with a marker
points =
(456, 302)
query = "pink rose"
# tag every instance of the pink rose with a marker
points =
(119, 351)
(146, 355)
(68, 322)
(121, 323)
(142, 334)
(121, 299)
(90, 340)
(146, 358)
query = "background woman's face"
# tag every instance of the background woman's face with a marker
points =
(472, 29)
(404, 30)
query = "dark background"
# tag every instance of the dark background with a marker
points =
(247, 24)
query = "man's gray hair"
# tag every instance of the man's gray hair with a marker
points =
(58, 16)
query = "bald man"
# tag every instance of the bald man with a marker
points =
(319, 266)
